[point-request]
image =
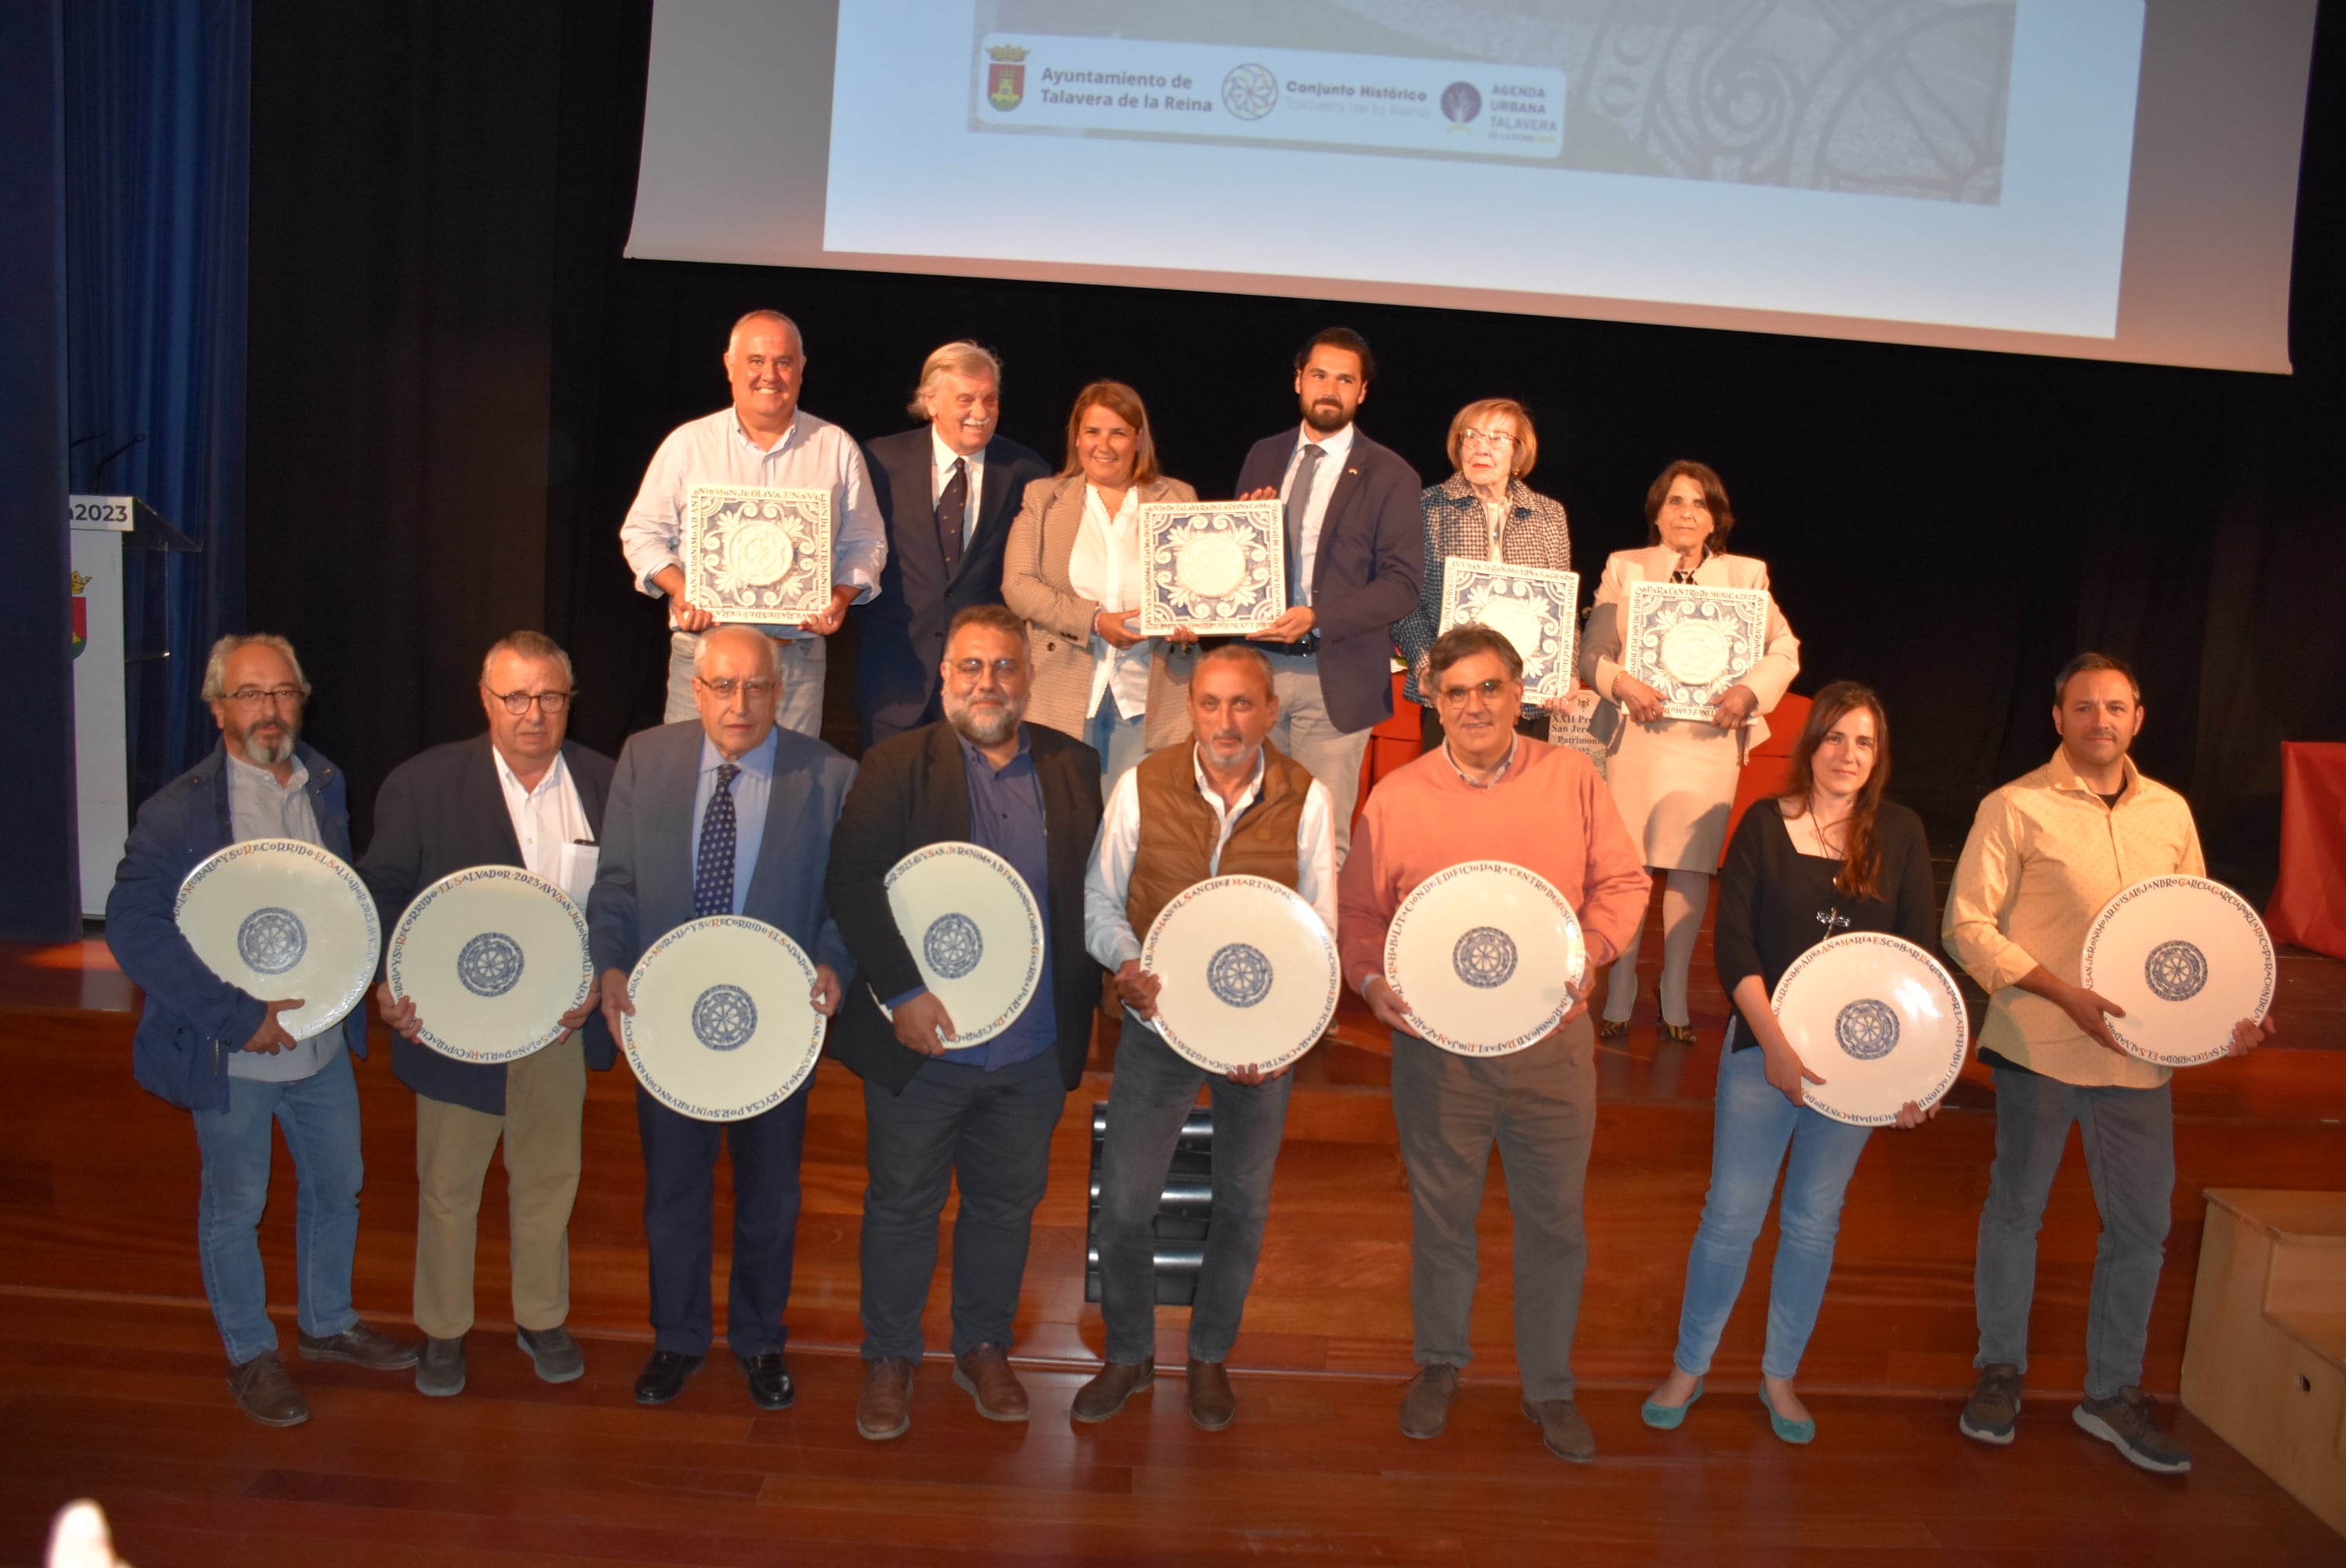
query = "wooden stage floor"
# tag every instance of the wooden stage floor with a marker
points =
(111, 1372)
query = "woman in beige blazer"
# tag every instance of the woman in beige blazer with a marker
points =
(1071, 570)
(1674, 778)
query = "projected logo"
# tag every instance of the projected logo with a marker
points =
(1005, 75)
(1461, 103)
(1249, 91)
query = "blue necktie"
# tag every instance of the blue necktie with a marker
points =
(713, 879)
(1299, 500)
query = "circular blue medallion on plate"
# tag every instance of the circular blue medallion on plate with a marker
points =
(272, 939)
(489, 964)
(1867, 1029)
(953, 945)
(724, 1017)
(1240, 974)
(1485, 958)
(2175, 971)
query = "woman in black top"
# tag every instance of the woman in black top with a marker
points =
(1830, 855)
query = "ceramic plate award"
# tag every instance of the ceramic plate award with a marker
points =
(1691, 642)
(725, 1025)
(279, 918)
(1249, 973)
(492, 957)
(2187, 959)
(756, 556)
(1879, 1019)
(1481, 953)
(1536, 610)
(976, 932)
(1212, 568)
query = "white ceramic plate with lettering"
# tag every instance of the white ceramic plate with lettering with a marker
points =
(1879, 1019)
(2187, 959)
(492, 957)
(280, 918)
(976, 932)
(1249, 973)
(1482, 953)
(725, 1025)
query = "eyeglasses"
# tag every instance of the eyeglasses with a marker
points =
(757, 690)
(1487, 690)
(518, 702)
(1003, 669)
(253, 696)
(1497, 441)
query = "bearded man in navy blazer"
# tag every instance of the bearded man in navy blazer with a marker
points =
(523, 794)
(1355, 553)
(947, 492)
(729, 815)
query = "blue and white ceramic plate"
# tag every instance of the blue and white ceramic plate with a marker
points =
(280, 918)
(756, 556)
(976, 932)
(1535, 608)
(1691, 641)
(1879, 1019)
(1214, 567)
(2187, 959)
(1482, 953)
(725, 1025)
(492, 957)
(1249, 973)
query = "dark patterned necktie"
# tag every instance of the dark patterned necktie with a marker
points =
(712, 877)
(1299, 498)
(953, 507)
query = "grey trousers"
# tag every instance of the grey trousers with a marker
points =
(1539, 1106)
(1148, 1100)
(993, 1131)
(1306, 733)
(2129, 1138)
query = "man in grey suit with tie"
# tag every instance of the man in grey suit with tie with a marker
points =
(947, 492)
(730, 815)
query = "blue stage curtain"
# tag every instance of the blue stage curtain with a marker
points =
(157, 133)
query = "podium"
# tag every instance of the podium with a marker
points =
(103, 527)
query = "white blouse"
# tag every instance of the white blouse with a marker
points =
(1104, 567)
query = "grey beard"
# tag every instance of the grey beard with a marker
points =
(963, 717)
(261, 754)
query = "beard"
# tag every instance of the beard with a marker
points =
(266, 747)
(1327, 418)
(987, 725)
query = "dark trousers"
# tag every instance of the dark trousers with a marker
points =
(1149, 1099)
(679, 1190)
(992, 1132)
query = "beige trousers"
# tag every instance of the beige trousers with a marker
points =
(545, 1098)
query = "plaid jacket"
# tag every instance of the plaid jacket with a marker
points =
(1535, 535)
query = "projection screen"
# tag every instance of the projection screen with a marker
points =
(2105, 178)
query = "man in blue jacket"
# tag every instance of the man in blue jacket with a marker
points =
(220, 1053)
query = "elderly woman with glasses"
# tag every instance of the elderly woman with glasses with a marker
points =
(1674, 778)
(1483, 512)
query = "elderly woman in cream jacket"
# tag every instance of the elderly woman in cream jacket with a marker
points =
(1072, 571)
(1674, 778)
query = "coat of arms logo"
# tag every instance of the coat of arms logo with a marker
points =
(1005, 77)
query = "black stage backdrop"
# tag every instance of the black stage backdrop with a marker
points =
(455, 382)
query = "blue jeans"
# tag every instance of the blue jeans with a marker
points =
(1117, 741)
(320, 1114)
(1147, 1100)
(2129, 1138)
(1750, 1129)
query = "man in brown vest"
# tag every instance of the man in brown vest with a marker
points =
(1224, 805)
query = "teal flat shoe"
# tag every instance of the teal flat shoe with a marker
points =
(1791, 1431)
(1666, 1417)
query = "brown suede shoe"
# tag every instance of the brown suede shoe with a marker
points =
(1106, 1393)
(884, 1408)
(984, 1375)
(1212, 1406)
(1562, 1429)
(363, 1347)
(1425, 1402)
(265, 1392)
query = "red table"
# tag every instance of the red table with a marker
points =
(2309, 902)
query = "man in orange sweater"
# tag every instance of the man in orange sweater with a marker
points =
(1489, 793)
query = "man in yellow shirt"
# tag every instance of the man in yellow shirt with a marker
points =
(2046, 853)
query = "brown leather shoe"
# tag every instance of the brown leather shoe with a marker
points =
(1562, 1429)
(265, 1392)
(1212, 1406)
(363, 1347)
(984, 1375)
(1106, 1393)
(1425, 1402)
(884, 1408)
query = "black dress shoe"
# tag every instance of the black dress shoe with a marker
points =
(769, 1382)
(664, 1376)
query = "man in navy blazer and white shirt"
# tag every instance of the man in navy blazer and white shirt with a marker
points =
(1356, 550)
(947, 492)
(729, 815)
